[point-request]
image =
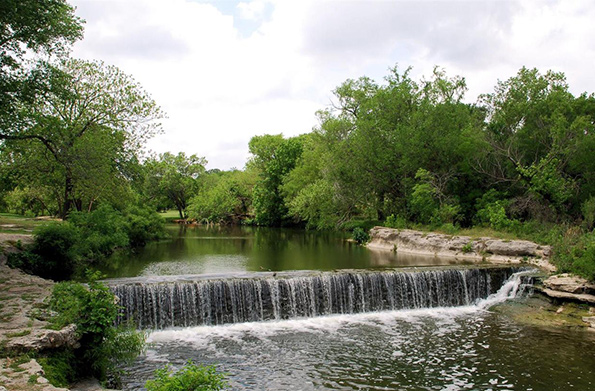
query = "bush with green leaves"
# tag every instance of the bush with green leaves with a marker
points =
(143, 225)
(103, 230)
(360, 236)
(62, 248)
(54, 253)
(190, 377)
(397, 222)
(103, 346)
(574, 252)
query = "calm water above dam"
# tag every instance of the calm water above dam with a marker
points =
(199, 250)
(438, 328)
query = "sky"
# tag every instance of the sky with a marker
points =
(225, 71)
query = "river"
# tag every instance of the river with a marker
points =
(415, 344)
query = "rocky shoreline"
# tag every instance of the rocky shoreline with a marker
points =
(492, 250)
(23, 328)
(560, 288)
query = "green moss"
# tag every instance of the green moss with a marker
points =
(18, 334)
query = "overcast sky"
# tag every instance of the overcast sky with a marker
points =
(225, 71)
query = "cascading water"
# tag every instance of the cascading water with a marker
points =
(235, 300)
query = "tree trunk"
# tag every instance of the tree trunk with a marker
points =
(68, 190)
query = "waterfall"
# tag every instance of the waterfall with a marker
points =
(234, 300)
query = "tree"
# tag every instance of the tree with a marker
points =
(174, 177)
(45, 27)
(274, 157)
(535, 138)
(82, 132)
(226, 197)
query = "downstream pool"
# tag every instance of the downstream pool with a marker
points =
(463, 348)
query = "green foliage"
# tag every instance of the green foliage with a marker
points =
(423, 203)
(61, 248)
(44, 27)
(104, 347)
(315, 205)
(191, 377)
(274, 157)
(588, 210)
(59, 367)
(491, 212)
(574, 252)
(467, 248)
(360, 236)
(173, 179)
(80, 138)
(397, 222)
(101, 231)
(143, 225)
(53, 254)
(226, 200)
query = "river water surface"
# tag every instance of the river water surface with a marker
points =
(471, 347)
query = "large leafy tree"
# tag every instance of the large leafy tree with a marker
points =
(273, 157)
(44, 27)
(173, 178)
(536, 138)
(81, 134)
(225, 197)
(377, 137)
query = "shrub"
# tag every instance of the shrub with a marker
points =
(190, 378)
(588, 211)
(104, 347)
(59, 367)
(61, 248)
(360, 236)
(103, 230)
(143, 225)
(494, 216)
(53, 254)
(467, 248)
(397, 222)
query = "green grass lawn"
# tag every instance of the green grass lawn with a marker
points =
(170, 215)
(17, 224)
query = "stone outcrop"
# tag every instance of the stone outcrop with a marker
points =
(460, 247)
(22, 326)
(27, 376)
(569, 287)
(570, 283)
(43, 339)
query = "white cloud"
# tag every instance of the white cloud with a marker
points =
(222, 81)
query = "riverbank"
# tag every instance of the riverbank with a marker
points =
(464, 248)
(559, 289)
(23, 330)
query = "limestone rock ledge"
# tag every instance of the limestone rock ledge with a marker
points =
(45, 339)
(460, 247)
(569, 287)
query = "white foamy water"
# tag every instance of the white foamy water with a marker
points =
(461, 348)
(327, 324)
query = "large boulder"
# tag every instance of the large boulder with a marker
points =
(515, 248)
